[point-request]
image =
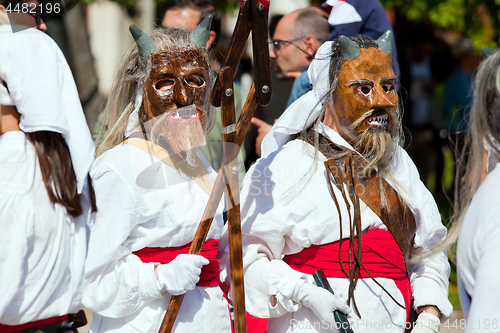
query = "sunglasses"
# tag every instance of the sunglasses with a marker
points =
(278, 43)
(35, 13)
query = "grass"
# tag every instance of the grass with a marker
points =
(453, 290)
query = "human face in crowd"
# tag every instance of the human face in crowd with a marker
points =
(181, 18)
(288, 58)
(178, 84)
(366, 94)
(185, 18)
(30, 19)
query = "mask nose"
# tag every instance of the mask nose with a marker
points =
(382, 99)
(182, 96)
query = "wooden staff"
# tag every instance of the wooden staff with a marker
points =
(211, 208)
(230, 149)
(253, 16)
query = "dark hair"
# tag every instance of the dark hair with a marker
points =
(204, 6)
(57, 171)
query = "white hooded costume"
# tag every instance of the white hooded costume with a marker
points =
(287, 206)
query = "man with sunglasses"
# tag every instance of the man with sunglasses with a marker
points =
(296, 39)
(30, 17)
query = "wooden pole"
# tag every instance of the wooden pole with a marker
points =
(213, 202)
(230, 153)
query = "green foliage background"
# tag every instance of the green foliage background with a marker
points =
(479, 20)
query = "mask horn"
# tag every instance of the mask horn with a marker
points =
(487, 51)
(145, 43)
(348, 49)
(385, 41)
(200, 34)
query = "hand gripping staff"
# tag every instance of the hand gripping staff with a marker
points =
(340, 318)
(253, 16)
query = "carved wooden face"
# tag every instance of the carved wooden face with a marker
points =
(177, 84)
(366, 88)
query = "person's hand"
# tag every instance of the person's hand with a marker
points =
(427, 323)
(262, 129)
(320, 301)
(181, 274)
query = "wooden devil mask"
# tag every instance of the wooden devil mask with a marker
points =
(178, 83)
(366, 97)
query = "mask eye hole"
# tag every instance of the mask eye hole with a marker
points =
(388, 87)
(194, 81)
(365, 90)
(165, 84)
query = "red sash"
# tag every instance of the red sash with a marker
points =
(381, 256)
(31, 324)
(209, 273)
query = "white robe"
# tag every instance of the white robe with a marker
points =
(477, 258)
(43, 248)
(141, 203)
(287, 206)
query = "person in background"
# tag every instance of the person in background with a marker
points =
(458, 98)
(295, 41)
(187, 14)
(46, 195)
(367, 17)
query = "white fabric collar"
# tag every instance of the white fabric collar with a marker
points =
(44, 92)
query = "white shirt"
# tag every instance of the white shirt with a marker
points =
(287, 206)
(477, 258)
(43, 248)
(141, 203)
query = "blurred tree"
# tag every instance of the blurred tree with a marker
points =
(477, 19)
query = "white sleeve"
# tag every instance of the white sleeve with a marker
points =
(484, 314)
(428, 277)
(269, 281)
(15, 237)
(117, 283)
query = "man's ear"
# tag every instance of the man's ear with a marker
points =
(311, 46)
(2, 9)
(211, 38)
